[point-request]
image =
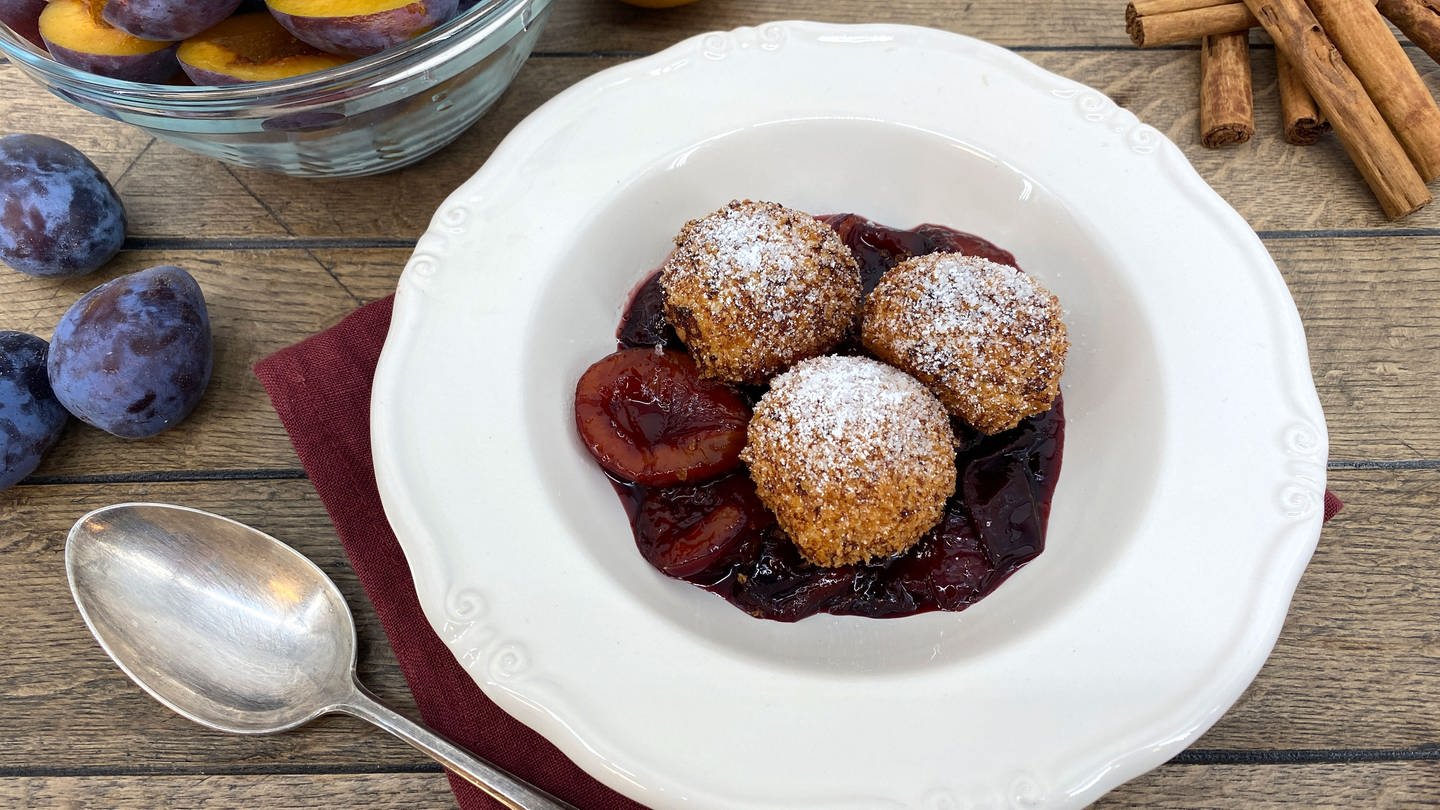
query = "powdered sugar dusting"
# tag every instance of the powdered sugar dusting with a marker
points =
(977, 309)
(986, 336)
(755, 286)
(745, 242)
(846, 413)
(855, 458)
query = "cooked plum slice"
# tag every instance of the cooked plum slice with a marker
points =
(360, 27)
(31, 418)
(250, 48)
(698, 532)
(76, 34)
(948, 567)
(133, 356)
(167, 20)
(649, 417)
(59, 216)
(23, 17)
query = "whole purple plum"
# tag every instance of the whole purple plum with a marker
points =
(133, 356)
(31, 418)
(167, 20)
(23, 17)
(59, 216)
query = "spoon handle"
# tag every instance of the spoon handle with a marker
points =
(499, 785)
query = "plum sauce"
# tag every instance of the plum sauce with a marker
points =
(717, 535)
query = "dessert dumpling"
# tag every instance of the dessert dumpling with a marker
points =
(755, 287)
(855, 458)
(986, 338)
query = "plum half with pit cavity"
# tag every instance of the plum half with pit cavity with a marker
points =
(76, 34)
(250, 48)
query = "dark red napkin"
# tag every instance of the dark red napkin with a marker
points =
(320, 387)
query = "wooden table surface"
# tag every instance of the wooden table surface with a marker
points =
(1346, 713)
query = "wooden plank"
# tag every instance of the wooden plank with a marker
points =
(1380, 785)
(1358, 662)
(1384, 786)
(390, 206)
(1371, 310)
(259, 301)
(608, 25)
(64, 703)
(1358, 666)
(172, 194)
(1372, 313)
(280, 791)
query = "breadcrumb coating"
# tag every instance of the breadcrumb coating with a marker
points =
(755, 287)
(855, 458)
(985, 337)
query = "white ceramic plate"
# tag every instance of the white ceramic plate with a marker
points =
(1189, 502)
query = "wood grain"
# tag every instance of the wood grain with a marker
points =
(64, 704)
(259, 301)
(585, 26)
(386, 791)
(1384, 786)
(1361, 639)
(1380, 786)
(172, 194)
(1357, 666)
(1375, 356)
(1346, 712)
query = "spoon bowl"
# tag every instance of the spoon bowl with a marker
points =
(225, 625)
(236, 630)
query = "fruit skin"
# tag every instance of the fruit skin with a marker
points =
(374, 26)
(31, 418)
(59, 216)
(157, 67)
(166, 20)
(649, 417)
(76, 36)
(133, 356)
(697, 533)
(23, 16)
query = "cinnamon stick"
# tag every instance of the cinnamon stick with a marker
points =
(1380, 63)
(1418, 20)
(1227, 105)
(1168, 28)
(1145, 8)
(1151, 23)
(1361, 129)
(1301, 119)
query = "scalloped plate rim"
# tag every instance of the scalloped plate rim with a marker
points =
(416, 541)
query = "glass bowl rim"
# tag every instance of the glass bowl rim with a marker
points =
(436, 46)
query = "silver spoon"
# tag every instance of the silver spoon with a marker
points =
(237, 631)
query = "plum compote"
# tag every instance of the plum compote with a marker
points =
(670, 441)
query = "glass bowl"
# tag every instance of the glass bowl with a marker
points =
(366, 117)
